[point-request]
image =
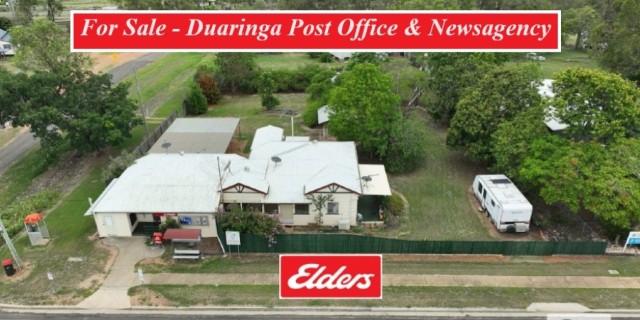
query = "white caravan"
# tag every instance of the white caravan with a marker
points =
(6, 48)
(505, 205)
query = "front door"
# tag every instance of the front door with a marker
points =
(109, 225)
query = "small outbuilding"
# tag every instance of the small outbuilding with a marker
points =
(185, 243)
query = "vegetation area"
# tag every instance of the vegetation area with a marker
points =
(403, 297)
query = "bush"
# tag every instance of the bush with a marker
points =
(394, 205)
(310, 113)
(118, 165)
(14, 214)
(326, 57)
(195, 103)
(205, 78)
(249, 222)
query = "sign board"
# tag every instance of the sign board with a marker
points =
(233, 238)
(633, 238)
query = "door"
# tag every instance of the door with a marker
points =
(109, 225)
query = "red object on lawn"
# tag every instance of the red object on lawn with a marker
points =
(7, 262)
(157, 238)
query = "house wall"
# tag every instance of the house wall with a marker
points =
(121, 226)
(348, 207)
(242, 197)
(208, 231)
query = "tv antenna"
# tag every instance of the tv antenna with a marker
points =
(166, 146)
(276, 160)
(368, 179)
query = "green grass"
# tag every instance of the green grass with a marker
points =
(17, 179)
(288, 60)
(163, 84)
(403, 297)
(568, 58)
(439, 208)
(515, 266)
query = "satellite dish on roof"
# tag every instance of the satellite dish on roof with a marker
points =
(368, 179)
(166, 146)
(276, 159)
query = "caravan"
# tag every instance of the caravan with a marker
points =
(505, 205)
(6, 49)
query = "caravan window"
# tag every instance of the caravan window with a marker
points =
(493, 204)
(479, 187)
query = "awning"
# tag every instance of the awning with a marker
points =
(182, 235)
(373, 179)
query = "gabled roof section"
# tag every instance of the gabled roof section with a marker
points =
(305, 167)
(265, 135)
(246, 173)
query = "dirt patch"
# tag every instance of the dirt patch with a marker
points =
(568, 258)
(147, 297)
(236, 146)
(103, 62)
(20, 274)
(65, 176)
(156, 261)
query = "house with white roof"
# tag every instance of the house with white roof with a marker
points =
(279, 178)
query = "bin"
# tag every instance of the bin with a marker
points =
(7, 264)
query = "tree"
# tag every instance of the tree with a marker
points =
(367, 57)
(617, 40)
(5, 23)
(45, 46)
(24, 11)
(450, 74)
(204, 76)
(236, 71)
(54, 7)
(365, 109)
(82, 108)
(597, 105)
(579, 21)
(318, 90)
(266, 88)
(157, 4)
(407, 145)
(319, 202)
(497, 97)
(588, 175)
(196, 102)
(511, 141)
(9, 95)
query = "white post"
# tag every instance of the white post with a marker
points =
(292, 126)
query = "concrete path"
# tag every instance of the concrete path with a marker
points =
(114, 291)
(413, 280)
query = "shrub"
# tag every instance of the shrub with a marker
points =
(326, 57)
(118, 165)
(394, 205)
(12, 215)
(310, 114)
(249, 222)
(209, 89)
(195, 103)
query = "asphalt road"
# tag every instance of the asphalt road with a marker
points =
(25, 142)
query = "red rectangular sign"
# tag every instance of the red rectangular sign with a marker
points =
(330, 276)
(390, 31)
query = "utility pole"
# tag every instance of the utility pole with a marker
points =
(144, 117)
(9, 243)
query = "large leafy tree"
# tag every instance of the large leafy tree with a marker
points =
(617, 39)
(450, 74)
(579, 21)
(54, 8)
(318, 90)
(82, 108)
(365, 109)
(45, 46)
(236, 71)
(266, 88)
(597, 105)
(497, 97)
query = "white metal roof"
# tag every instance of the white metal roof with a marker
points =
(341, 55)
(197, 135)
(305, 167)
(504, 190)
(379, 183)
(296, 138)
(266, 134)
(247, 173)
(552, 122)
(166, 183)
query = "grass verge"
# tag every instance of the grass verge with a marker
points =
(403, 297)
(514, 266)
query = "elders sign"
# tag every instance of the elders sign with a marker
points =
(330, 276)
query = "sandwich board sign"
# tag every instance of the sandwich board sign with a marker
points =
(633, 238)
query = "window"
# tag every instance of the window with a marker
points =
(302, 209)
(271, 208)
(333, 207)
(493, 204)
(479, 187)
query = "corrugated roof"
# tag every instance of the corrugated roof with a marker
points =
(378, 183)
(307, 166)
(266, 134)
(552, 122)
(182, 234)
(192, 135)
(167, 183)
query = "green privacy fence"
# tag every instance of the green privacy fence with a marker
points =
(351, 243)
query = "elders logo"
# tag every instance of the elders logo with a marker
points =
(330, 276)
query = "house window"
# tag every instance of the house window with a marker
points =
(271, 208)
(333, 207)
(301, 209)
